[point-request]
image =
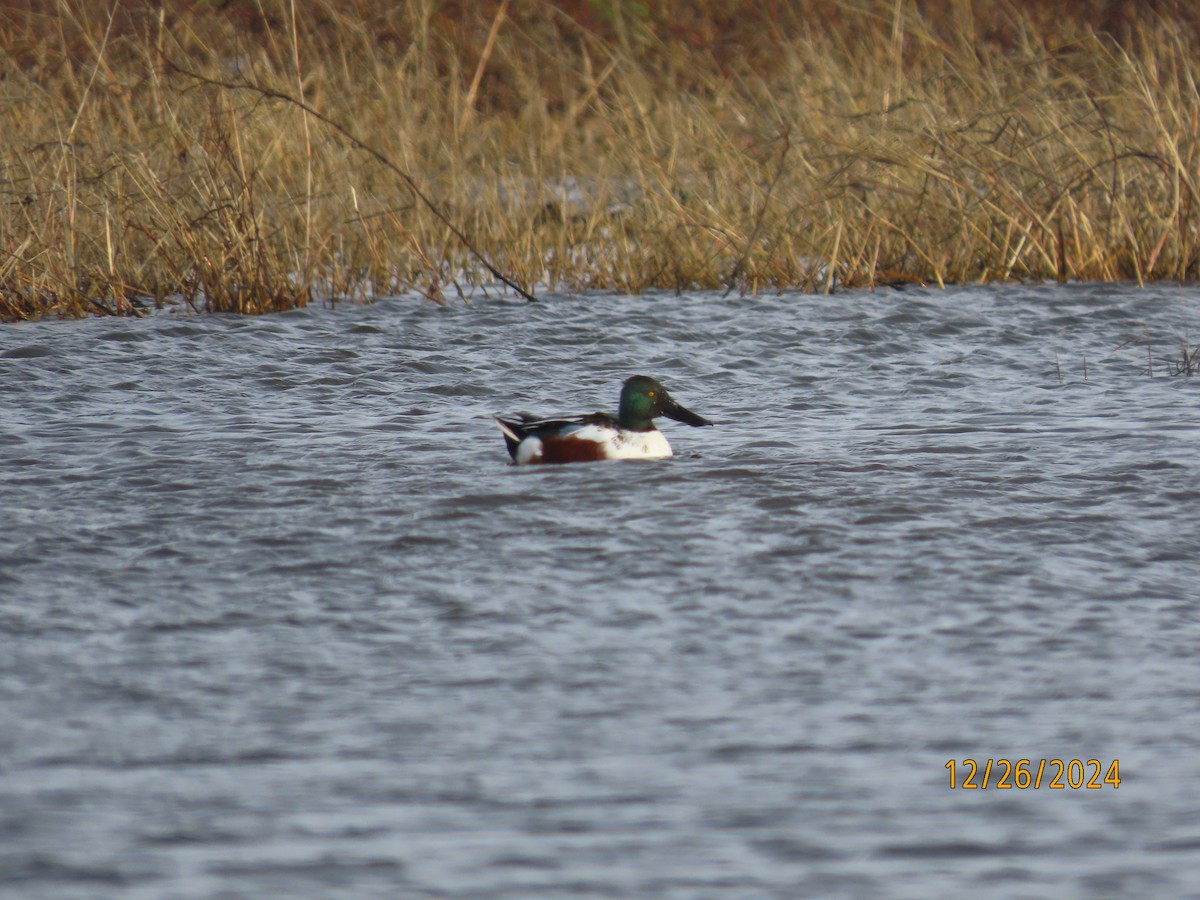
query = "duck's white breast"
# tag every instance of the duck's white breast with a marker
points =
(639, 445)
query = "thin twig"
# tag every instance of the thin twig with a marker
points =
(359, 144)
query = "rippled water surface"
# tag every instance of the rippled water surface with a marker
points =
(278, 618)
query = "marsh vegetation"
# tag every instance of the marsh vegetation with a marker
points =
(257, 156)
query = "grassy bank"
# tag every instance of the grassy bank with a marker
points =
(256, 157)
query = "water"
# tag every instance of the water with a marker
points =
(277, 616)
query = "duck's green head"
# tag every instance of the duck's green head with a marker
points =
(643, 399)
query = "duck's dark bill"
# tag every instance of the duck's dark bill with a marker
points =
(673, 410)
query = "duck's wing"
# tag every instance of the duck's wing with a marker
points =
(524, 425)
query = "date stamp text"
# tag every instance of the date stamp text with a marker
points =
(1024, 774)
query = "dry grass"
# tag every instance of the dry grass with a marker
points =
(261, 157)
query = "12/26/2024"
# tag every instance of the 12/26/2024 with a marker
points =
(1023, 774)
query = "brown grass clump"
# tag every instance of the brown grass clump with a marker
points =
(254, 157)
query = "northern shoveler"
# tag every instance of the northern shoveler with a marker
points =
(630, 435)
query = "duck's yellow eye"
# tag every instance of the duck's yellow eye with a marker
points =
(649, 393)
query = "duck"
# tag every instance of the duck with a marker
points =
(628, 435)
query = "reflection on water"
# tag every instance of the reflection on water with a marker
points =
(277, 614)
